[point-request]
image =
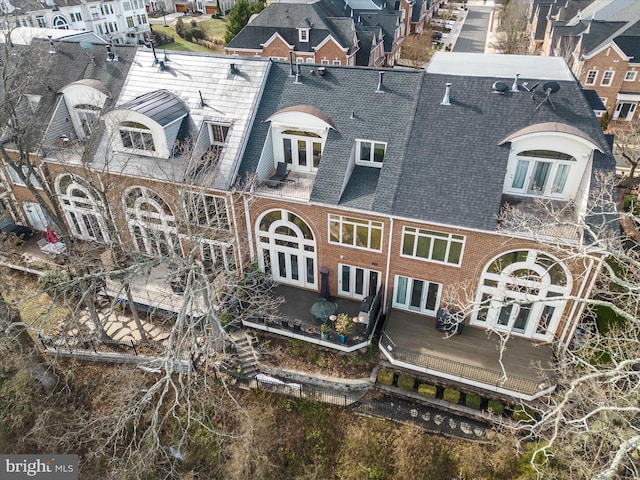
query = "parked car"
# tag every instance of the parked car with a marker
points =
(437, 35)
(7, 227)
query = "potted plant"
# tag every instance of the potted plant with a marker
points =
(325, 329)
(344, 326)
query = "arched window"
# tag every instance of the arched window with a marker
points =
(518, 292)
(60, 23)
(136, 136)
(286, 248)
(543, 172)
(151, 223)
(81, 209)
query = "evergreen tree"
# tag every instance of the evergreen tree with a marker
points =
(239, 17)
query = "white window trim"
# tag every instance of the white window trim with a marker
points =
(77, 208)
(369, 225)
(449, 239)
(303, 35)
(371, 162)
(366, 287)
(18, 181)
(567, 189)
(595, 77)
(406, 305)
(604, 77)
(138, 151)
(630, 76)
(226, 249)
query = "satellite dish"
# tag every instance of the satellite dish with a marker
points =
(551, 87)
(88, 47)
(500, 87)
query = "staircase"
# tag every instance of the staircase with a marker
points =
(247, 361)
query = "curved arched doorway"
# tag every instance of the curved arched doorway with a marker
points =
(520, 292)
(286, 248)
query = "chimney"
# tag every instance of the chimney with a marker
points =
(514, 87)
(380, 88)
(291, 64)
(446, 100)
(52, 47)
(297, 80)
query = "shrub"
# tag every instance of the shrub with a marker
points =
(473, 401)
(496, 407)
(523, 414)
(385, 377)
(427, 390)
(52, 281)
(180, 27)
(188, 35)
(194, 24)
(198, 33)
(344, 324)
(451, 395)
(406, 382)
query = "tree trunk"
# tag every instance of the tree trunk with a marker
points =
(134, 313)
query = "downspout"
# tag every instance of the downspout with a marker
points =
(578, 308)
(386, 274)
(252, 254)
(235, 228)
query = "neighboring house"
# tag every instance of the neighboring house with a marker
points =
(122, 21)
(389, 187)
(327, 32)
(601, 43)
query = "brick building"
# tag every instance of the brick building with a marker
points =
(379, 189)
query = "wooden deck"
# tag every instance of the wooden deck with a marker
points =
(472, 357)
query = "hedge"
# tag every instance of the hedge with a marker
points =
(451, 395)
(406, 382)
(385, 377)
(496, 407)
(427, 390)
(473, 401)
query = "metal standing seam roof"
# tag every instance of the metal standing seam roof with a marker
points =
(162, 106)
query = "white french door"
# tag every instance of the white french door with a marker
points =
(356, 282)
(36, 216)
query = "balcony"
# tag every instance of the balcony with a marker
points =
(294, 320)
(296, 186)
(473, 357)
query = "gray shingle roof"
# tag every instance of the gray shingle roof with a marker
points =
(454, 174)
(630, 45)
(378, 116)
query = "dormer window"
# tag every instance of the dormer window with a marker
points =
(88, 116)
(370, 153)
(136, 136)
(302, 150)
(303, 34)
(542, 172)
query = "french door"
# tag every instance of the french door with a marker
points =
(356, 282)
(36, 216)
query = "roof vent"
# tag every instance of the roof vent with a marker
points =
(233, 68)
(291, 64)
(52, 47)
(446, 100)
(322, 71)
(499, 87)
(549, 89)
(112, 56)
(380, 88)
(514, 87)
(353, 115)
(202, 103)
(298, 75)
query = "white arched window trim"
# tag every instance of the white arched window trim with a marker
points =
(59, 22)
(520, 304)
(290, 257)
(81, 210)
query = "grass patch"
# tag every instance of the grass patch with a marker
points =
(406, 382)
(451, 395)
(427, 390)
(473, 401)
(496, 407)
(523, 415)
(213, 28)
(385, 377)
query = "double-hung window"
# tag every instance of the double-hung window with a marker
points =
(630, 76)
(370, 153)
(15, 178)
(607, 78)
(355, 232)
(592, 76)
(432, 245)
(417, 295)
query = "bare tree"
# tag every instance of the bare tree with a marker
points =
(511, 36)
(417, 49)
(589, 427)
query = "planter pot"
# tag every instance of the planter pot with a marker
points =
(325, 336)
(342, 338)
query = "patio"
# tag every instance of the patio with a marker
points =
(411, 341)
(295, 320)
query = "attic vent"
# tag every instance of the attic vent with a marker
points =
(322, 71)
(500, 87)
(380, 88)
(298, 75)
(446, 100)
(514, 87)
